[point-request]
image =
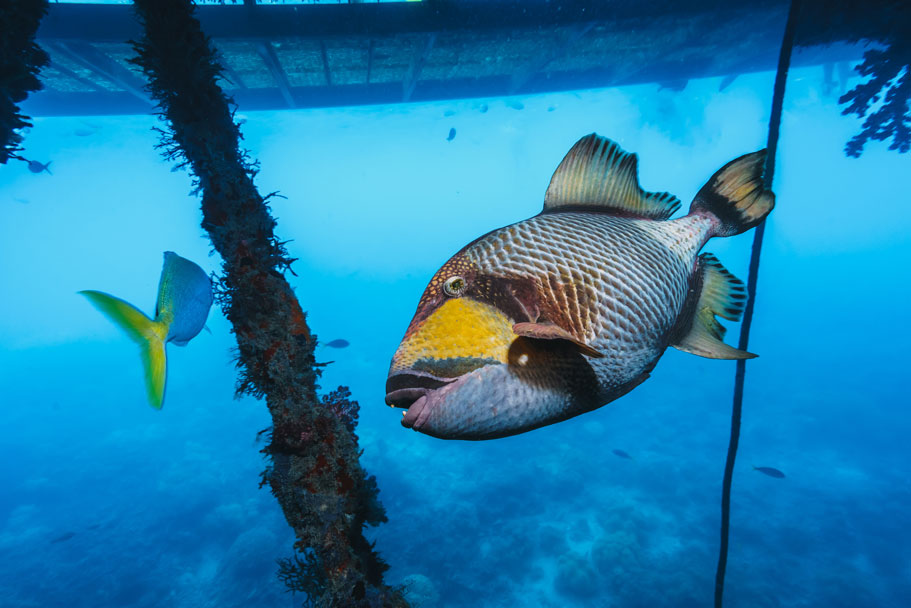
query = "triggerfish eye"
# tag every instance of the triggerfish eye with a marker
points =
(454, 286)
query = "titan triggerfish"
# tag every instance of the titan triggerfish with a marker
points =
(564, 312)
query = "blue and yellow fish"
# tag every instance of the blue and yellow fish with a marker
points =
(184, 299)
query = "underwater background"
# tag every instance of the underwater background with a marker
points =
(107, 502)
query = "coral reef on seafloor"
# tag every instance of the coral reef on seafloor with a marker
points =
(315, 473)
(20, 61)
(576, 577)
(421, 592)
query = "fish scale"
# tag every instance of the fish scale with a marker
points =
(606, 252)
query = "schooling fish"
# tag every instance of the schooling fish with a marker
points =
(35, 167)
(770, 472)
(452, 134)
(338, 343)
(622, 454)
(184, 299)
(559, 314)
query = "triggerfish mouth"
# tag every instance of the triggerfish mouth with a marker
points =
(184, 300)
(562, 313)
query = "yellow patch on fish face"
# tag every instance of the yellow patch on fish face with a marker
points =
(461, 335)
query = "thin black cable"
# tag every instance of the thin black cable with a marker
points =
(781, 77)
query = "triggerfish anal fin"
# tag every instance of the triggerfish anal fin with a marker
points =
(597, 175)
(149, 334)
(549, 331)
(719, 293)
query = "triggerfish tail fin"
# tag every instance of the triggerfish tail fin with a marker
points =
(149, 334)
(735, 195)
(716, 292)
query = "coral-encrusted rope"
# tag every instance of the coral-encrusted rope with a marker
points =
(784, 61)
(315, 473)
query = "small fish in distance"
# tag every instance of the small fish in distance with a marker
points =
(452, 134)
(622, 454)
(771, 472)
(483, 108)
(35, 167)
(63, 538)
(184, 300)
(338, 343)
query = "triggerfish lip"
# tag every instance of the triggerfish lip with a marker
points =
(417, 413)
(405, 387)
(423, 414)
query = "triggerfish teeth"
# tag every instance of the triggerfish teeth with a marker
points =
(566, 311)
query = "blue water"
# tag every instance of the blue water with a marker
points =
(163, 507)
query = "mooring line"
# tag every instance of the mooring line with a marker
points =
(784, 62)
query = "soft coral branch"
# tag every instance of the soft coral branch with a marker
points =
(20, 61)
(889, 72)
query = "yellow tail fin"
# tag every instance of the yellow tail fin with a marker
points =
(148, 334)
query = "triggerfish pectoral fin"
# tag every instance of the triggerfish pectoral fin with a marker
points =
(148, 334)
(549, 331)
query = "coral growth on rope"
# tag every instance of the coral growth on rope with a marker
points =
(20, 61)
(884, 100)
(889, 72)
(315, 473)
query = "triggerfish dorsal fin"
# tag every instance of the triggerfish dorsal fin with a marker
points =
(597, 175)
(149, 334)
(717, 292)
